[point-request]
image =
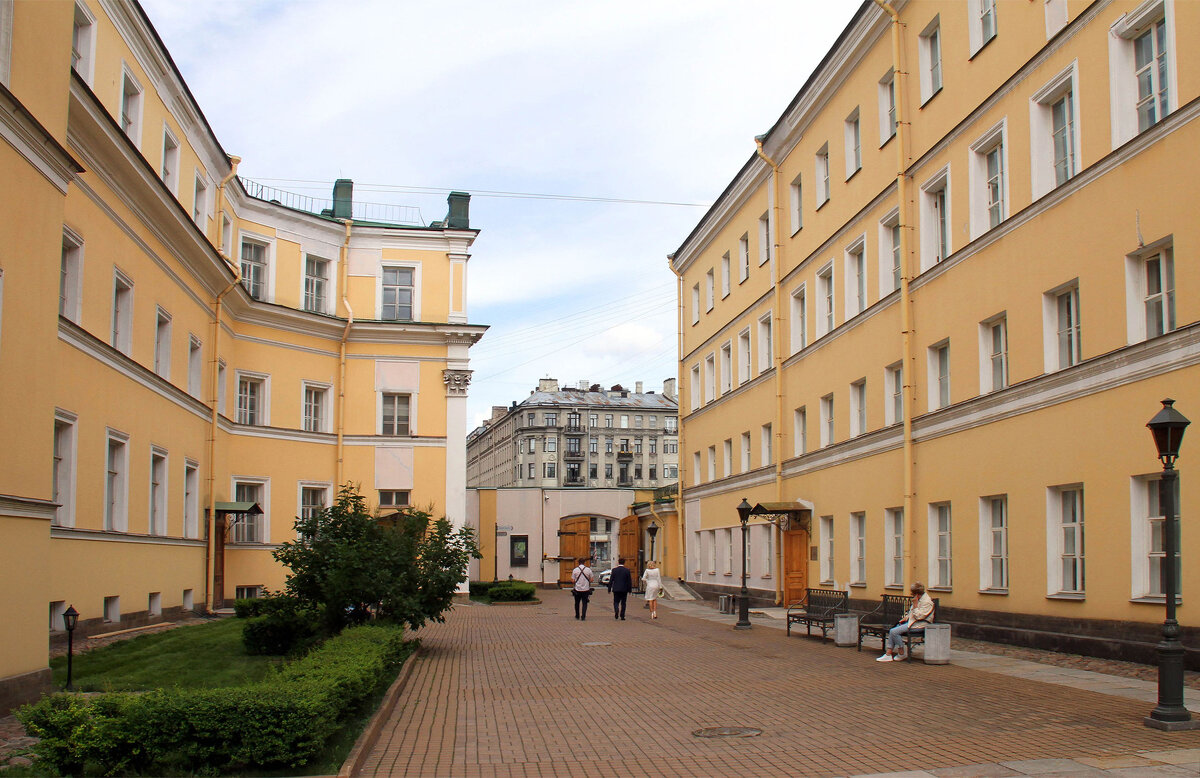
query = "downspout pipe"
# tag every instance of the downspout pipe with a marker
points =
(220, 214)
(679, 512)
(899, 80)
(341, 412)
(777, 348)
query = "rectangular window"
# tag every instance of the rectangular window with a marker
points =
(768, 550)
(1054, 133)
(827, 437)
(858, 407)
(247, 592)
(982, 23)
(131, 108)
(825, 300)
(799, 319)
(226, 233)
(112, 609)
(744, 356)
(70, 276)
(724, 275)
(594, 469)
(154, 603)
(893, 522)
(853, 137)
(939, 375)
(728, 552)
(1149, 539)
(767, 445)
(116, 489)
(221, 386)
(248, 527)
(195, 366)
(894, 383)
(988, 184)
(162, 344)
(254, 268)
(929, 55)
(393, 499)
(800, 431)
(710, 378)
(158, 492)
(199, 202)
(83, 43)
(1150, 283)
(396, 414)
(712, 463)
(941, 562)
(765, 348)
(726, 368)
(251, 400)
(745, 452)
(993, 537)
(696, 304)
(122, 313)
(1067, 318)
(727, 451)
(935, 220)
(887, 107)
(397, 291)
(313, 500)
(1150, 71)
(822, 173)
(1067, 513)
(743, 257)
(796, 192)
(856, 278)
(1062, 137)
(764, 238)
(993, 354)
(316, 282)
(170, 161)
(889, 253)
(64, 469)
(696, 397)
(594, 445)
(826, 556)
(710, 284)
(550, 444)
(315, 416)
(858, 548)
(191, 500)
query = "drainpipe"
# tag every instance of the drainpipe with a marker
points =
(900, 77)
(777, 356)
(679, 512)
(341, 413)
(234, 162)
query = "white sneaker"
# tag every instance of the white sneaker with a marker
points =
(884, 658)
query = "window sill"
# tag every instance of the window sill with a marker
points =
(883, 143)
(994, 591)
(946, 589)
(712, 572)
(982, 46)
(765, 575)
(823, 203)
(826, 584)
(796, 231)
(926, 101)
(1077, 596)
(1151, 599)
(728, 575)
(857, 170)
(858, 584)
(897, 587)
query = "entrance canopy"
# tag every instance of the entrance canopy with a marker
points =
(793, 515)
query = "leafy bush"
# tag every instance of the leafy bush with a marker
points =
(281, 632)
(282, 722)
(512, 591)
(480, 588)
(247, 607)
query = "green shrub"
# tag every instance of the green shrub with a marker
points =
(282, 722)
(280, 632)
(248, 607)
(480, 588)
(512, 591)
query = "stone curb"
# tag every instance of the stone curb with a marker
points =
(370, 735)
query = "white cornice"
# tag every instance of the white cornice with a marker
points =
(17, 507)
(749, 179)
(109, 536)
(33, 142)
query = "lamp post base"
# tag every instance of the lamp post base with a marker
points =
(1171, 726)
(743, 621)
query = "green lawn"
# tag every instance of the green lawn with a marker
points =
(200, 656)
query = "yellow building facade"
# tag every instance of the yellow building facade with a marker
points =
(934, 311)
(174, 339)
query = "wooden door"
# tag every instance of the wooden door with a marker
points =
(795, 565)
(574, 535)
(628, 538)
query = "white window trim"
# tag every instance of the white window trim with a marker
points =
(796, 202)
(326, 405)
(1135, 287)
(1054, 541)
(851, 127)
(886, 89)
(191, 507)
(977, 178)
(1041, 129)
(822, 175)
(65, 514)
(827, 549)
(121, 509)
(766, 337)
(1050, 325)
(725, 367)
(331, 288)
(727, 451)
(985, 352)
(886, 273)
(767, 445)
(986, 583)
(74, 280)
(925, 60)
(265, 404)
(939, 181)
(695, 394)
(826, 320)
(164, 497)
(127, 74)
(892, 517)
(265, 483)
(268, 243)
(854, 306)
(200, 210)
(162, 348)
(933, 572)
(933, 376)
(195, 371)
(764, 239)
(124, 343)
(6, 21)
(745, 360)
(695, 304)
(725, 260)
(412, 411)
(890, 416)
(710, 290)
(326, 486)
(975, 24)
(1140, 536)
(798, 337)
(827, 428)
(172, 184)
(710, 378)
(858, 538)
(88, 71)
(1122, 82)
(746, 452)
(858, 407)
(1056, 17)
(743, 257)
(800, 431)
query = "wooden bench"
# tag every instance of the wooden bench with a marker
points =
(817, 609)
(886, 615)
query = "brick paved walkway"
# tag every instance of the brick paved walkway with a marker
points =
(518, 691)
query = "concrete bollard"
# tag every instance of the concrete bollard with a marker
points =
(937, 644)
(845, 629)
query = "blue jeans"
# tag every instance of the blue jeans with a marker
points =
(895, 637)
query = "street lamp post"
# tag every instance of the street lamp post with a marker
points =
(743, 621)
(70, 619)
(652, 531)
(1168, 426)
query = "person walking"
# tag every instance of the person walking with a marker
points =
(582, 576)
(620, 583)
(652, 584)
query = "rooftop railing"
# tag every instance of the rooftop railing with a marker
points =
(408, 215)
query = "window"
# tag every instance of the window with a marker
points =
(724, 275)
(764, 238)
(57, 609)
(887, 107)
(712, 463)
(122, 313)
(226, 233)
(1150, 291)
(162, 344)
(112, 609)
(70, 276)
(767, 444)
(593, 420)
(1056, 17)
(249, 527)
(796, 191)
(1142, 72)
(550, 444)
(83, 43)
(315, 402)
(1054, 133)
(696, 304)
(743, 257)
(518, 550)
(800, 431)
(116, 485)
(594, 469)
(709, 290)
(316, 282)
(158, 492)
(935, 219)
(131, 107)
(1060, 317)
(710, 378)
(799, 318)
(1064, 526)
(532, 471)
(64, 469)
(853, 137)
(827, 437)
(199, 201)
(1147, 539)
(154, 603)
(988, 181)
(941, 567)
(191, 500)
(608, 471)
(697, 399)
(939, 375)
(889, 253)
(993, 352)
(746, 556)
(728, 552)
(982, 21)
(247, 592)
(765, 349)
(768, 550)
(395, 414)
(825, 300)
(670, 425)
(170, 161)
(826, 554)
(195, 366)
(1150, 70)
(695, 469)
(221, 385)
(594, 445)
(858, 407)
(397, 294)
(745, 452)
(929, 55)
(726, 368)
(394, 498)
(993, 543)
(893, 522)
(894, 386)
(313, 500)
(254, 268)
(727, 447)
(744, 356)
(822, 173)
(608, 445)
(856, 278)
(188, 599)
(608, 420)
(858, 548)
(252, 399)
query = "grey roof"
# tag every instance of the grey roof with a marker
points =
(582, 399)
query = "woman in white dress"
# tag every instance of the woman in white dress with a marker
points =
(652, 583)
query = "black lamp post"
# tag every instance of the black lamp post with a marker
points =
(1168, 426)
(743, 621)
(652, 531)
(70, 619)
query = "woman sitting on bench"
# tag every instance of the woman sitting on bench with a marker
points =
(914, 619)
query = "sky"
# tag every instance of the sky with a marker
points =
(592, 136)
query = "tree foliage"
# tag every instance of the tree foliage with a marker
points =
(405, 568)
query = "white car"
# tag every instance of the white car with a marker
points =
(604, 577)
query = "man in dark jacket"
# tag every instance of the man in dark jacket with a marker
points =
(620, 583)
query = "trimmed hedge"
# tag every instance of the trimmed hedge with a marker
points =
(480, 588)
(512, 591)
(282, 722)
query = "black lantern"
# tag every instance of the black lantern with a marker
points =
(70, 619)
(743, 621)
(1167, 426)
(652, 531)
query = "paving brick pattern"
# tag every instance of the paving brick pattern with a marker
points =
(516, 692)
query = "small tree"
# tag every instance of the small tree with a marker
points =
(407, 567)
